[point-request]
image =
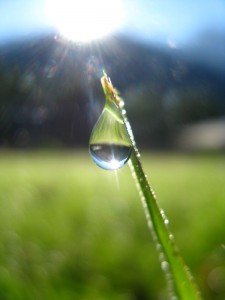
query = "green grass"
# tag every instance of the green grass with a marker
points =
(70, 230)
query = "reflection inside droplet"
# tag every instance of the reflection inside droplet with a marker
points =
(110, 156)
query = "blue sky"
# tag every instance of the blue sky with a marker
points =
(174, 21)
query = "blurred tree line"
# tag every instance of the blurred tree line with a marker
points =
(50, 92)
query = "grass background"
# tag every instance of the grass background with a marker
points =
(69, 230)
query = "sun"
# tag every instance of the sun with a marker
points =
(85, 20)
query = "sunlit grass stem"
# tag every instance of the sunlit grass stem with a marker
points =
(180, 281)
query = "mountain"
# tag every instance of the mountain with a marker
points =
(208, 48)
(51, 93)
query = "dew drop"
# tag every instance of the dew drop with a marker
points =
(165, 266)
(110, 156)
(166, 221)
(110, 145)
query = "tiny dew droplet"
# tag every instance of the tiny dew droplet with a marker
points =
(110, 156)
(110, 145)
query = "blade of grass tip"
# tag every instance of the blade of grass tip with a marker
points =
(179, 279)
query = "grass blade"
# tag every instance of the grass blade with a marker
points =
(180, 281)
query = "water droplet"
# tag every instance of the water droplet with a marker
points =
(165, 266)
(110, 145)
(166, 221)
(110, 156)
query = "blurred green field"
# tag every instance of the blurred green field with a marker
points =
(70, 230)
